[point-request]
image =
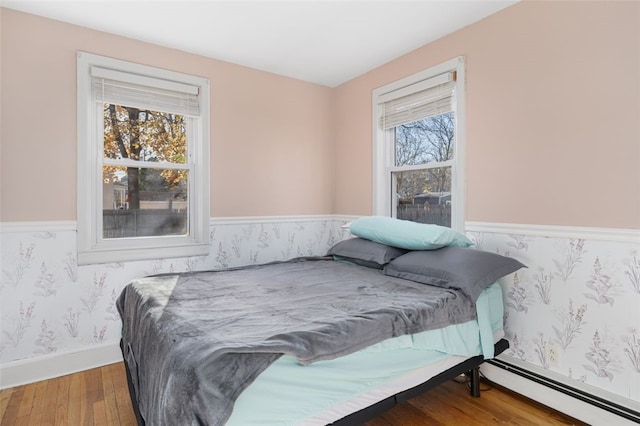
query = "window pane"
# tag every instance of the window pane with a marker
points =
(424, 195)
(144, 202)
(425, 141)
(144, 135)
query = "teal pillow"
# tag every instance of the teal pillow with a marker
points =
(406, 234)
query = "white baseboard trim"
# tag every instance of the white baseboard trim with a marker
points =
(559, 401)
(45, 367)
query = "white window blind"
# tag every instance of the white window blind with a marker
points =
(434, 97)
(109, 86)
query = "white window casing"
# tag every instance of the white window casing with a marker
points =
(418, 96)
(102, 79)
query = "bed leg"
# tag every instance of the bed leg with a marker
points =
(474, 375)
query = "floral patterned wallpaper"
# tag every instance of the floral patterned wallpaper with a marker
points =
(575, 310)
(50, 304)
(579, 298)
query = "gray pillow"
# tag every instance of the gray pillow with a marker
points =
(466, 269)
(364, 252)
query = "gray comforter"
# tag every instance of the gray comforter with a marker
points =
(194, 341)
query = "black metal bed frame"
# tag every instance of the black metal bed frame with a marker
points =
(470, 367)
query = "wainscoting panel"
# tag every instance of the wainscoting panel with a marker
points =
(53, 309)
(574, 313)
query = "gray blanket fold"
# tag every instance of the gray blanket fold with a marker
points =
(194, 341)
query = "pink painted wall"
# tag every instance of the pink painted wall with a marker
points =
(271, 150)
(553, 134)
(553, 115)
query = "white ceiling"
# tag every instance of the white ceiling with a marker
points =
(322, 41)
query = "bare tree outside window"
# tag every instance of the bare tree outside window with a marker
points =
(424, 195)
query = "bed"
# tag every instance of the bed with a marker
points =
(334, 339)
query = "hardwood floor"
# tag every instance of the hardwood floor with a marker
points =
(94, 397)
(101, 397)
(451, 404)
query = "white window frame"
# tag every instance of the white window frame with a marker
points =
(91, 246)
(383, 149)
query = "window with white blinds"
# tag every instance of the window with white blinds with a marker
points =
(419, 146)
(425, 99)
(144, 92)
(143, 162)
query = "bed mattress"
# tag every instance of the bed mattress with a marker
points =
(321, 393)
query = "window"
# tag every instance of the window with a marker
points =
(419, 147)
(143, 162)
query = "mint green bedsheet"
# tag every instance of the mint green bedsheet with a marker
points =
(288, 393)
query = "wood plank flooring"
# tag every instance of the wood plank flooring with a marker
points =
(101, 397)
(94, 397)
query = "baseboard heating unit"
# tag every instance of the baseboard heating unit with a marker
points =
(578, 403)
